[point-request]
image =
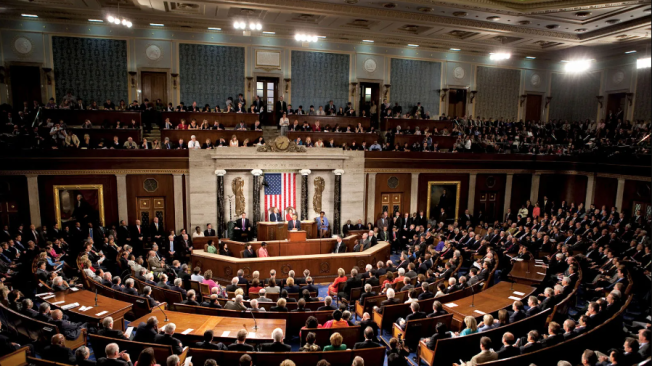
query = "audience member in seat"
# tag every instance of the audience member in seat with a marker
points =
(437, 310)
(441, 332)
(336, 343)
(471, 327)
(235, 304)
(290, 287)
(70, 330)
(488, 323)
(368, 342)
(192, 297)
(147, 292)
(114, 357)
(280, 306)
(82, 354)
(167, 338)
(147, 332)
(517, 313)
(336, 322)
(301, 306)
(108, 331)
(328, 301)
(57, 351)
(272, 287)
(486, 354)
(277, 345)
(310, 345)
(334, 287)
(208, 342)
(531, 345)
(240, 344)
(508, 350)
(554, 335)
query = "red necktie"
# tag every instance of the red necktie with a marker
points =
(138, 229)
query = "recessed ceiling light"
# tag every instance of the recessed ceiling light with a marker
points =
(455, 49)
(96, 20)
(632, 51)
(157, 24)
(29, 15)
(412, 45)
(530, 57)
(215, 29)
(269, 32)
(368, 40)
(322, 37)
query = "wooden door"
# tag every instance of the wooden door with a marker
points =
(9, 212)
(533, 107)
(615, 102)
(489, 206)
(154, 86)
(267, 91)
(392, 203)
(25, 85)
(150, 207)
(457, 102)
(368, 92)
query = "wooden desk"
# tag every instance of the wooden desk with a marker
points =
(114, 308)
(100, 133)
(270, 230)
(444, 142)
(214, 135)
(276, 248)
(323, 267)
(97, 118)
(219, 324)
(332, 121)
(391, 123)
(339, 138)
(488, 301)
(520, 274)
(226, 119)
(296, 236)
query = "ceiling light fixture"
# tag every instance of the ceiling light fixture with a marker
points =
(305, 38)
(96, 20)
(271, 33)
(368, 40)
(577, 66)
(412, 45)
(117, 20)
(157, 24)
(29, 15)
(455, 49)
(214, 29)
(643, 63)
(499, 56)
(632, 51)
(530, 57)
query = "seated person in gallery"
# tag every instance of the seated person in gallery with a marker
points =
(294, 224)
(274, 215)
(242, 225)
(322, 224)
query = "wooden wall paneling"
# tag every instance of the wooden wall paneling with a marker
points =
(403, 187)
(521, 187)
(490, 184)
(605, 192)
(183, 202)
(560, 187)
(635, 191)
(165, 189)
(46, 185)
(14, 201)
(424, 178)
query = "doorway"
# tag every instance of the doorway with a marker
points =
(390, 202)
(489, 205)
(267, 91)
(616, 106)
(456, 102)
(25, 84)
(369, 92)
(533, 107)
(154, 86)
(150, 207)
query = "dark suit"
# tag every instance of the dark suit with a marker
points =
(210, 345)
(167, 339)
(507, 352)
(516, 316)
(530, 347)
(59, 354)
(160, 231)
(113, 362)
(241, 347)
(275, 217)
(351, 283)
(341, 249)
(275, 347)
(244, 226)
(210, 232)
(292, 224)
(145, 334)
(70, 330)
(366, 344)
(111, 333)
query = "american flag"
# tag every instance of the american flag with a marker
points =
(280, 191)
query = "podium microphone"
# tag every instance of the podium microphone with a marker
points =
(255, 323)
(473, 295)
(95, 296)
(166, 316)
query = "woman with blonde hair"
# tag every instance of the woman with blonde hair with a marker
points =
(336, 343)
(234, 141)
(471, 327)
(488, 323)
(341, 277)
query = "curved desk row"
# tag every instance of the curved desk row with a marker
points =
(321, 266)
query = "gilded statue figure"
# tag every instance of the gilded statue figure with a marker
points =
(320, 184)
(238, 191)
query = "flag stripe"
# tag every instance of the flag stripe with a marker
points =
(280, 192)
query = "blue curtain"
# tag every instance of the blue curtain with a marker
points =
(91, 68)
(210, 74)
(416, 81)
(497, 92)
(574, 96)
(318, 77)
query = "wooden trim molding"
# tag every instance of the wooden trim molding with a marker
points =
(95, 172)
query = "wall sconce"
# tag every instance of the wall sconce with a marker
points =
(2, 74)
(523, 99)
(548, 99)
(133, 78)
(353, 85)
(48, 76)
(249, 80)
(287, 85)
(174, 80)
(600, 98)
(630, 98)
(473, 93)
(387, 86)
(442, 93)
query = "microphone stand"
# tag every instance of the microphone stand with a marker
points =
(472, 297)
(95, 296)
(255, 323)
(528, 268)
(166, 316)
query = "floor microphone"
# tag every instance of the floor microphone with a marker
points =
(255, 323)
(166, 316)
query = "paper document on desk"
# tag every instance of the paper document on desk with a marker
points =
(514, 298)
(519, 293)
(479, 312)
(188, 363)
(102, 313)
(70, 306)
(129, 331)
(187, 331)
(47, 297)
(518, 259)
(58, 302)
(451, 305)
(251, 335)
(74, 289)
(539, 273)
(226, 333)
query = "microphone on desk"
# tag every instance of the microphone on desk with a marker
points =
(255, 323)
(473, 295)
(95, 296)
(166, 316)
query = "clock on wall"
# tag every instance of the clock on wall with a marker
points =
(153, 52)
(370, 65)
(23, 45)
(458, 72)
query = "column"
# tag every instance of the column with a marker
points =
(220, 202)
(534, 190)
(470, 203)
(34, 201)
(414, 190)
(123, 212)
(590, 190)
(177, 182)
(337, 206)
(304, 193)
(371, 197)
(508, 193)
(620, 192)
(256, 198)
